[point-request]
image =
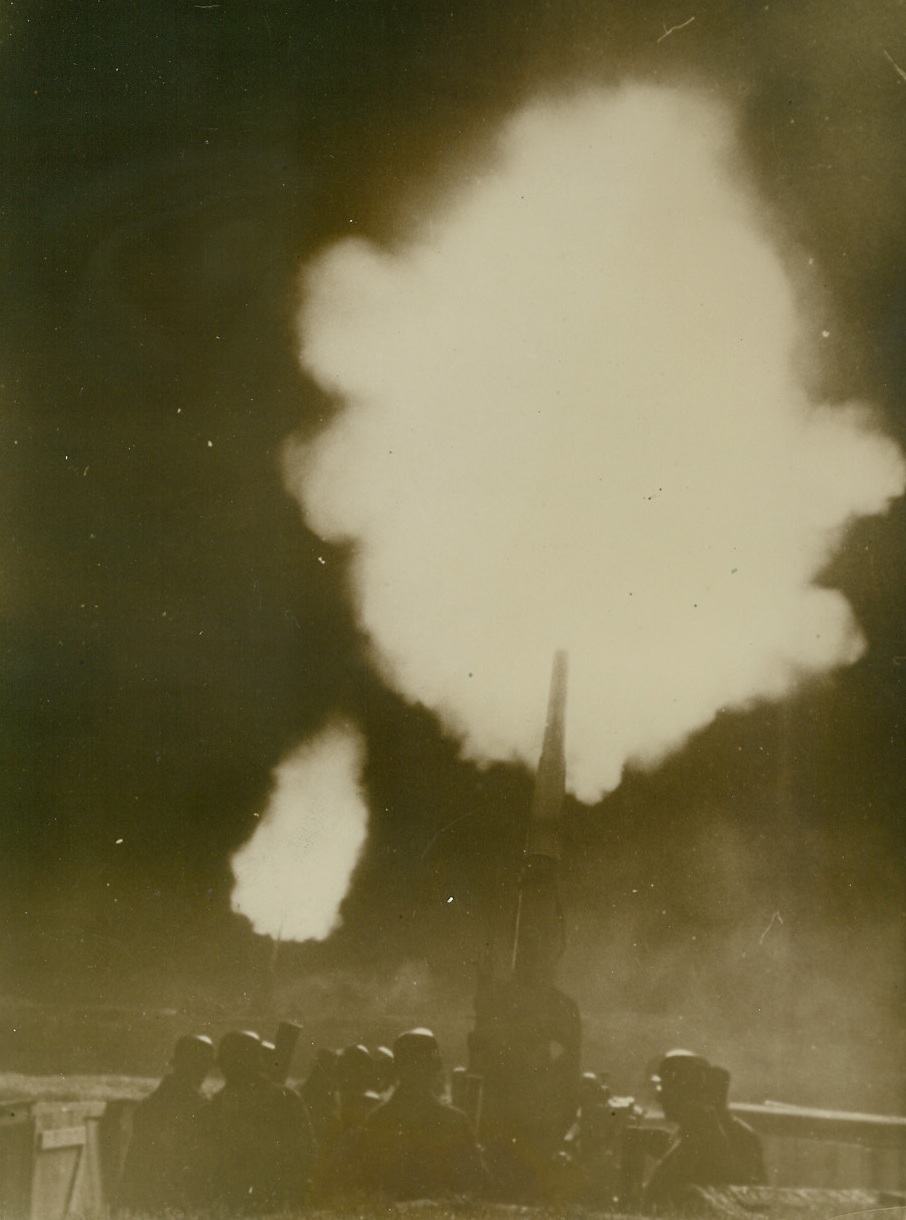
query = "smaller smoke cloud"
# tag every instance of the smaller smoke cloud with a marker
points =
(572, 418)
(292, 875)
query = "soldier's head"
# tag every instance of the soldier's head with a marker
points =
(417, 1059)
(239, 1055)
(684, 1085)
(193, 1058)
(326, 1059)
(384, 1068)
(355, 1070)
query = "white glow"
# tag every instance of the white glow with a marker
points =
(293, 873)
(571, 419)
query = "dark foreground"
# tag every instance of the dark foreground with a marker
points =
(423, 1210)
(729, 1204)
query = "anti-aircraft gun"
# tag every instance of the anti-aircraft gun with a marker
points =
(524, 1051)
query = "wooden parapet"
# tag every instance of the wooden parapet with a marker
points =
(834, 1149)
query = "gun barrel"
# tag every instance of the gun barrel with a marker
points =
(525, 1048)
(538, 936)
(543, 837)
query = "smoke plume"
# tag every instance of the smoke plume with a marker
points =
(570, 416)
(293, 873)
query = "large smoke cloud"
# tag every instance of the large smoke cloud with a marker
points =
(571, 416)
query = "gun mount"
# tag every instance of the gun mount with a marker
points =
(525, 1046)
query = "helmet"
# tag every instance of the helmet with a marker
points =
(239, 1051)
(355, 1070)
(683, 1081)
(416, 1052)
(193, 1054)
(683, 1068)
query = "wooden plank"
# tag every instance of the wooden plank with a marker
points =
(17, 1148)
(62, 1137)
(842, 1127)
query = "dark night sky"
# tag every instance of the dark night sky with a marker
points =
(167, 632)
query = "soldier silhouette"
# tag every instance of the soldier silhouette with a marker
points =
(163, 1154)
(260, 1146)
(745, 1144)
(319, 1091)
(414, 1145)
(355, 1074)
(710, 1147)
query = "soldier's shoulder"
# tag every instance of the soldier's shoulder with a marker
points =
(169, 1094)
(446, 1117)
(384, 1113)
(288, 1102)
